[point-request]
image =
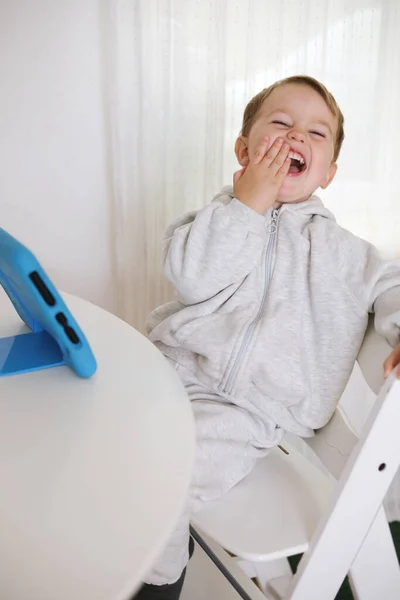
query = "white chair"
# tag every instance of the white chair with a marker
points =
(332, 514)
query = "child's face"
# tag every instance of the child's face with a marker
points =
(299, 115)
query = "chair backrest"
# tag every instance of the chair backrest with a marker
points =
(364, 467)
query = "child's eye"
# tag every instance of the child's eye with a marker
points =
(318, 133)
(281, 123)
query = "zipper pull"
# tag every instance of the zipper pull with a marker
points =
(274, 218)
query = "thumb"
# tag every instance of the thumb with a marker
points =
(238, 174)
(391, 362)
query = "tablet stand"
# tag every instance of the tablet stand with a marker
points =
(27, 351)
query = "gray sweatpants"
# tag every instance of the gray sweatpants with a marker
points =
(229, 441)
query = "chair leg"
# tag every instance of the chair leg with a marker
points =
(228, 566)
(264, 571)
(278, 588)
(375, 572)
(271, 576)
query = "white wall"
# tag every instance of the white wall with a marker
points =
(54, 186)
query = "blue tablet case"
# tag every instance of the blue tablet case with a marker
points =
(55, 338)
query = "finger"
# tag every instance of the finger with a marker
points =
(280, 159)
(273, 152)
(284, 170)
(260, 151)
(387, 367)
(237, 175)
(391, 362)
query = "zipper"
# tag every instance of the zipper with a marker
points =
(269, 255)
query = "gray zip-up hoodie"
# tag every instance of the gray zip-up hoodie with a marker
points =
(272, 309)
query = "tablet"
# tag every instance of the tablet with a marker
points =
(55, 337)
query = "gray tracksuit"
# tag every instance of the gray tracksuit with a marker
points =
(271, 312)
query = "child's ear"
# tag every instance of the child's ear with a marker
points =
(329, 176)
(241, 151)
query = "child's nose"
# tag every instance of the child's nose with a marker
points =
(297, 134)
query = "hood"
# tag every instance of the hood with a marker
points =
(312, 206)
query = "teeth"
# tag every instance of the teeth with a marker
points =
(296, 156)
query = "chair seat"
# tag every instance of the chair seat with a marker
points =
(273, 512)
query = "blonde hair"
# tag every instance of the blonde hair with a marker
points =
(255, 104)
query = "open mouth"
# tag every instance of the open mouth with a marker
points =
(297, 162)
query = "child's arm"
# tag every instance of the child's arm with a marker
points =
(382, 283)
(372, 281)
(205, 252)
(387, 314)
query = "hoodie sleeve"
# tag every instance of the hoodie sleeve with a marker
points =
(375, 282)
(387, 302)
(206, 251)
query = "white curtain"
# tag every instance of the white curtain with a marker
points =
(179, 74)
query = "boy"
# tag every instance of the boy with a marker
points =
(273, 301)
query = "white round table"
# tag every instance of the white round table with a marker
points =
(93, 473)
